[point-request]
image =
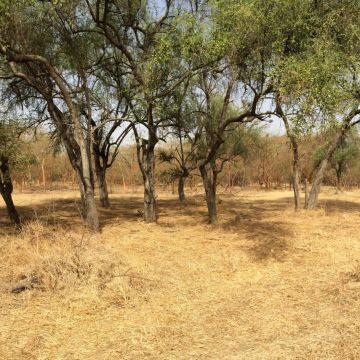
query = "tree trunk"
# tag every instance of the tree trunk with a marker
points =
(12, 212)
(338, 179)
(296, 160)
(320, 171)
(91, 214)
(296, 177)
(101, 180)
(209, 180)
(145, 150)
(181, 186)
(6, 189)
(103, 189)
(150, 211)
(306, 183)
(77, 149)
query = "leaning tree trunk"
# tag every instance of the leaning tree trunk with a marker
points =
(320, 171)
(80, 159)
(209, 180)
(6, 189)
(296, 176)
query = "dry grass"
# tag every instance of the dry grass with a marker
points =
(263, 284)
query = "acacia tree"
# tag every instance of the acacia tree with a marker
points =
(41, 66)
(246, 45)
(344, 156)
(149, 46)
(185, 132)
(315, 80)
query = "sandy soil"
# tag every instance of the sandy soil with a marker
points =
(265, 283)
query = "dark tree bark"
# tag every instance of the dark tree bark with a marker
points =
(181, 186)
(100, 171)
(209, 177)
(77, 151)
(6, 189)
(103, 189)
(150, 211)
(296, 177)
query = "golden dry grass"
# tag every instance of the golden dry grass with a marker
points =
(262, 284)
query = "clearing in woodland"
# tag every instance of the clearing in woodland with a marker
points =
(264, 283)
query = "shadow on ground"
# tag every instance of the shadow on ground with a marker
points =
(260, 222)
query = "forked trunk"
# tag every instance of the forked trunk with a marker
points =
(145, 150)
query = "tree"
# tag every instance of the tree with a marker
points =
(344, 156)
(154, 55)
(9, 149)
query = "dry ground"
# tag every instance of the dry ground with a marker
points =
(262, 284)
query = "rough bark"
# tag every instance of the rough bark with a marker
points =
(209, 177)
(101, 180)
(181, 186)
(6, 189)
(146, 159)
(150, 211)
(103, 190)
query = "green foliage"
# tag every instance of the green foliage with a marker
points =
(345, 155)
(13, 147)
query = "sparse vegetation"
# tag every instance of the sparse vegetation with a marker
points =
(227, 115)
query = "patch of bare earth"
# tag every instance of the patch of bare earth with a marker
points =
(265, 283)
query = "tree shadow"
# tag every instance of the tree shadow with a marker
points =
(266, 238)
(260, 222)
(335, 206)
